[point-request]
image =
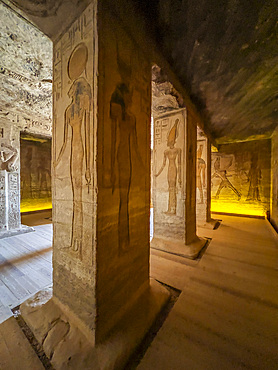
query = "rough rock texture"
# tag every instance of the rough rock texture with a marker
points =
(68, 347)
(25, 73)
(225, 53)
(164, 96)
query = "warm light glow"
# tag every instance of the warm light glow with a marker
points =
(29, 205)
(248, 208)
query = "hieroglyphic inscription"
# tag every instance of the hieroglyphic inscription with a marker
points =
(3, 218)
(13, 201)
(14, 75)
(157, 132)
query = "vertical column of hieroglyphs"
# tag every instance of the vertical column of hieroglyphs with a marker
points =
(9, 167)
(73, 163)
(3, 201)
(169, 195)
(13, 200)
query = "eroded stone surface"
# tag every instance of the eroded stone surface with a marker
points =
(55, 335)
(69, 348)
(9, 177)
(26, 74)
(40, 313)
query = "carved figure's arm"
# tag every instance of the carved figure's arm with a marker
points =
(63, 148)
(87, 139)
(204, 174)
(179, 166)
(115, 115)
(163, 164)
(135, 142)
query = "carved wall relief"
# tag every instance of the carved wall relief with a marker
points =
(169, 171)
(240, 175)
(123, 142)
(3, 201)
(35, 172)
(13, 201)
(8, 157)
(9, 178)
(77, 118)
(173, 155)
(222, 174)
(254, 178)
(201, 173)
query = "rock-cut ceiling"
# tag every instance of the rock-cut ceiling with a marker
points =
(226, 55)
(223, 52)
(25, 69)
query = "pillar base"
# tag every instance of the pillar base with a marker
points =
(191, 250)
(69, 345)
(21, 230)
(212, 224)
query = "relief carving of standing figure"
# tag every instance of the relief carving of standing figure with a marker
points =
(77, 117)
(173, 155)
(254, 177)
(123, 139)
(201, 173)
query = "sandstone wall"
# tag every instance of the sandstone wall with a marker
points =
(274, 179)
(241, 178)
(35, 173)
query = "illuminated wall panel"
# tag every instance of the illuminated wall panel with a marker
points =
(35, 173)
(241, 178)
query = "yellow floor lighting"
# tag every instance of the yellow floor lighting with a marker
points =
(248, 208)
(31, 205)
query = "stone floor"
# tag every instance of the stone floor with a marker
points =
(25, 265)
(226, 316)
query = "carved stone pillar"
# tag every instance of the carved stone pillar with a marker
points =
(9, 179)
(101, 193)
(203, 182)
(174, 189)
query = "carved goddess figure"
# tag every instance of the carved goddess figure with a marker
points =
(173, 155)
(8, 157)
(201, 173)
(123, 139)
(77, 118)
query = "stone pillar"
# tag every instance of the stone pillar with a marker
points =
(101, 194)
(209, 220)
(9, 179)
(203, 182)
(174, 189)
